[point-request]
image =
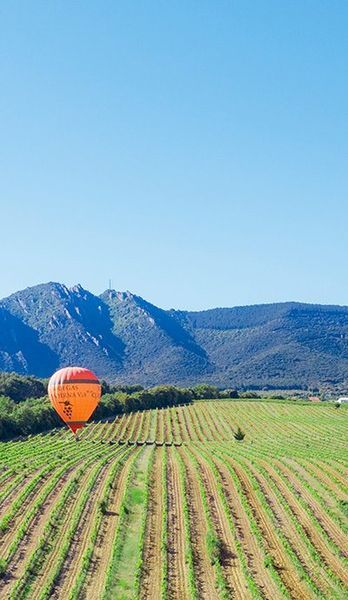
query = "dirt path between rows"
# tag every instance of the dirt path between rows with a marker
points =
(315, 571)
(323, 478)
(150, 583)
(178, 586)
(230, 562)
(253, 553)
(103, 547)
(11, 494)
(49, 564)
(35, 530)
(6, 538)
(73, 561)
(332, 530)
(204, 571)
(322, 487)
(328, 557)
(296, 587)
(338, 471)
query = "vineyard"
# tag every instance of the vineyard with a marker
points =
(167, 504)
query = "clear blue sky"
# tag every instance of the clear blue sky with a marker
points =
(195, 152)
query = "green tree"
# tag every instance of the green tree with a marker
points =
(239, 435)
(205, 391)
(18, 387)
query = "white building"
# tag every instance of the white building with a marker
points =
(343, 399)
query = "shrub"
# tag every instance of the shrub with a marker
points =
(239, 435)
(103, 507)
(20, 387)
(215, 548)
(229, 394)
(268, 562)
(205, 391)
(251, 395)
(2, 567)
(343, 504)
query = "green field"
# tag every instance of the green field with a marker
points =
(193, 513)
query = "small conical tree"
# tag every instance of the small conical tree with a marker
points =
(239, 435)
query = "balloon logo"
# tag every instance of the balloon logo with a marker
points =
(74, 393)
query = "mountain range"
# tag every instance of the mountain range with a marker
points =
(124, 338)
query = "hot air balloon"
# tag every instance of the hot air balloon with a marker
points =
(75, 393)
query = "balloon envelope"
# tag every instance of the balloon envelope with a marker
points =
(75, 393)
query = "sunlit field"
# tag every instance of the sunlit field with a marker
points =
(169, 504)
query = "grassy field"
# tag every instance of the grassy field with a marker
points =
(192, 513)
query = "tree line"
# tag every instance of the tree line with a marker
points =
(25, 408)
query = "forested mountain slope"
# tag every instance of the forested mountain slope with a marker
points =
(122, 337)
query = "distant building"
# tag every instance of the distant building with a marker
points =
(314, 398)
(343, 399)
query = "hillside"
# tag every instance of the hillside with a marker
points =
(124, 338)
